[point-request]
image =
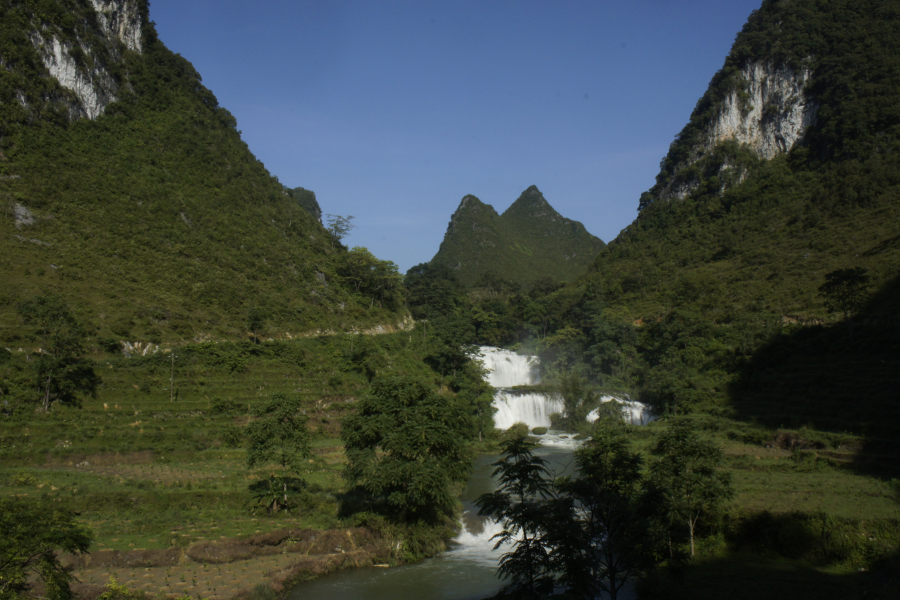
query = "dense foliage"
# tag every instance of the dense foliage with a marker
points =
(607, 524)
(156, 216)
(406, 446)
(33, 534)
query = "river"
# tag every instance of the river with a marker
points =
(468, 569)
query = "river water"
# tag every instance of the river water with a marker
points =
(468, 569)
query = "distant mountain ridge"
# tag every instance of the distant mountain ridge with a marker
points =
(528, 241)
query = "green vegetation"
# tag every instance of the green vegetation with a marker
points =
(155, 221)
(33, 534)
(150, 469)
(602, 527)
(279, 435)
(406, 447)
(686, 472)
(529, 240)
(60, 371)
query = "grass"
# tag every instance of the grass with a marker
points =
(148, 472)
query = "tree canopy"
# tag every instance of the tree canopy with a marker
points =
(406, 445)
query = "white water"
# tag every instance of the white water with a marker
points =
(532, 409)
(635, 413)
(507, 369)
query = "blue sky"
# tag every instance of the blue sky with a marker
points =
(392, 111)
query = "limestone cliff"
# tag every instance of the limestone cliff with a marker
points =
(766, 110)
(769, 113)
(82, 62)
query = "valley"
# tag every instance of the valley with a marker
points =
(206, 391)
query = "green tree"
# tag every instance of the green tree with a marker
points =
(433, 291)
(686, 472)
(278, 434)
(578, 400)
(677, 382)
(339, 227)
(256, 320)
(607, 539)
(406, 446)
(451, 346)
(524, 503)
(372, 278)
(845, 291)
(61, 373)
(31, 535)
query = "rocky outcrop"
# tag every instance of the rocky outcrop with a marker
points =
(119, 24)
(120, 20)
(768, 112)
(770, 115)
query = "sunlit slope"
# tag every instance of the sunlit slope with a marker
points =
(528, 241)
(155, 220)
(755, 204)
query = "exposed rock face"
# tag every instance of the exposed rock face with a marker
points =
(769, 113)
(119, 21)
(774, 116)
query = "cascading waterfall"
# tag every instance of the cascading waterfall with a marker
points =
(507, 369)
(468, 569)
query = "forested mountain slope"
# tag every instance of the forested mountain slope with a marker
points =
(786, 178)
(528, 241)
(759, 278)
(127, 190)
(788, 170)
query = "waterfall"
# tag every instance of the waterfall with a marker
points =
(531, 409)
(635, 413)
(507, 369)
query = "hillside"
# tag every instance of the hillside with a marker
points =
(528, 241)
(787, 173)
(127, 190)
(787, 170)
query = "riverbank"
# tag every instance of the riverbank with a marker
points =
(230, 567)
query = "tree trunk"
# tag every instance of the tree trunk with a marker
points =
(691, 527)
(47, 395)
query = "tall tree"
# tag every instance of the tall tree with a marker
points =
(31, 535)
(278, 434)
(607, 539)
(686, 471)
(523, 503)
(406, 447)
(845, 290)
(61, 372)
(339, 227)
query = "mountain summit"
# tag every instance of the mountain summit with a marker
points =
(529, 240)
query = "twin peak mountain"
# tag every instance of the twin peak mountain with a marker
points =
(529, 241)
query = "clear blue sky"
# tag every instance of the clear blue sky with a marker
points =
(392, 111)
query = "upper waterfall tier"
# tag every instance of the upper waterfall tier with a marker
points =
(507, 369)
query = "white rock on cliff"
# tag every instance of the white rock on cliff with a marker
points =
(119, 20)
(777, 115)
